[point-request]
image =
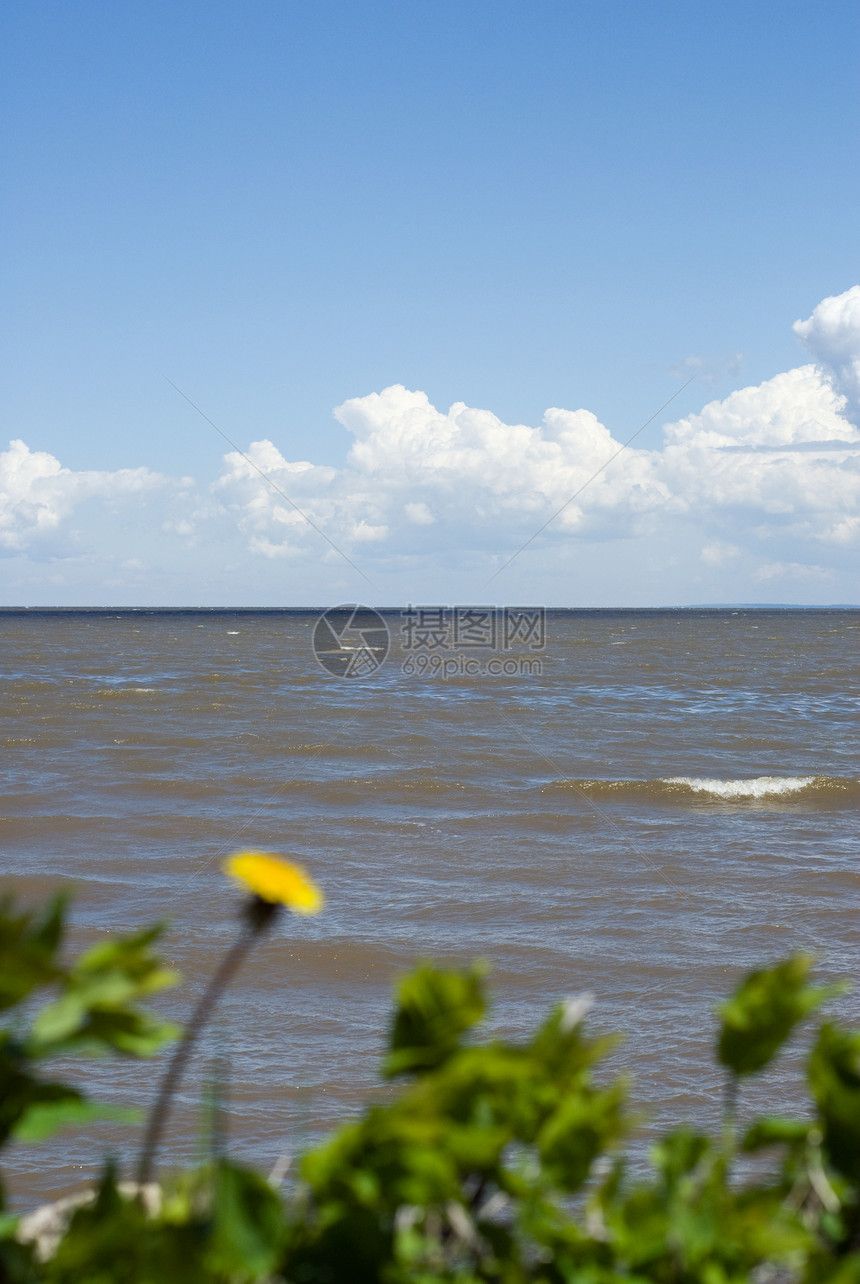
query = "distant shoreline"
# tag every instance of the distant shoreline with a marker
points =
(394, 610)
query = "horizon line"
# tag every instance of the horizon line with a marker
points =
(256, 610)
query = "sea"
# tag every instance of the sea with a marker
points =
(640, 805)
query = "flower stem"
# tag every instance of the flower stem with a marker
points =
(221, 978)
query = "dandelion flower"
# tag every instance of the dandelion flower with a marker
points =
(272, 882)
(276, 881)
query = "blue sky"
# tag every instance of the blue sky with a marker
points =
(288, 207)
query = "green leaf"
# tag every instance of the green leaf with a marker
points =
(435, 1009)
(8, 1226)
(834, 1077)
(775, 1132)
(764, 1010)
(130, 954)
(679, 1153)
(585, 1125)
(97, 1010)
(249, 1224)
(29, 941)
(20, 1090)
(16, 1260)
(43, 1118)
(65, 1017)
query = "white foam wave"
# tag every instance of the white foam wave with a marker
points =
(758, 787)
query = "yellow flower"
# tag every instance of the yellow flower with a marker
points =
(274, 880)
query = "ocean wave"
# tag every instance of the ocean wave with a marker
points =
(680, 789)
(758, 787)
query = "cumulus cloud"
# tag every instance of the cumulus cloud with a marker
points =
(792, 570)
(38, 495)
(794, 409)
(417, 477)
(718, 553)
(419, 514)
(780, 460)
(754, 482)
(781, 453)
(782, 450)
(832, 335)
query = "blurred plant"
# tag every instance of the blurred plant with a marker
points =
(93, 1009)
(499, 1161)
(760, 1016)
(273, 884)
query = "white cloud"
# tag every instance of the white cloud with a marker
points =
(467, 467)
(775, 465)
(795, 408)
(38, 495)
(718, 553)
(832, 335)
(782, 449)
(793, 571)
(419, 514)
(464, 472)
(845, 531)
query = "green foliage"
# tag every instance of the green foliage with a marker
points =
(95, 1010)
(415, 1183)
(497, 1161)
(28, 948)
(223, 1223)
(834, 1077)
(763, 1011)
(248, 1228)
(42, 1119)
(434, 1010)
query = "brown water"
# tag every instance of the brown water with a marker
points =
(673, 799)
